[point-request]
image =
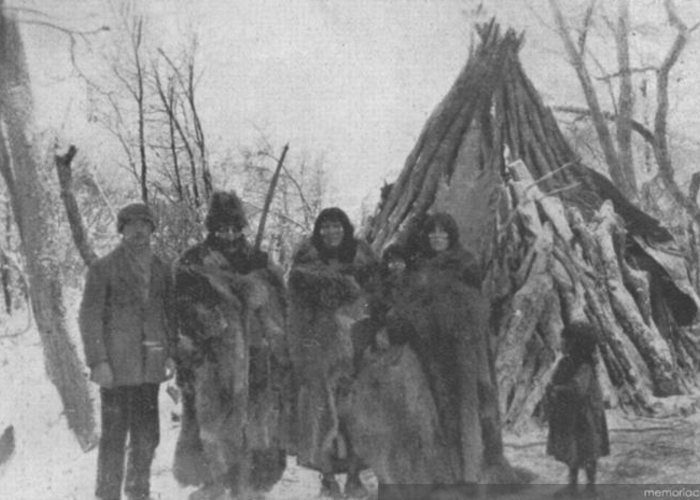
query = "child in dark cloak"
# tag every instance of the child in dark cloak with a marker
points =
(578, 433)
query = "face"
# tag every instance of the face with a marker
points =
(228, 233)
(396, 265)
(137, 232)
(332, 233)
(230, 238)
(439, 239)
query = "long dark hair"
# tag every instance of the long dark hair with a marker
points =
(444, 221)
(348, 247)
(584, 338)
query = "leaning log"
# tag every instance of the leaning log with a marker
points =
(556, 240)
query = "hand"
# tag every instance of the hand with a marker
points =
(102, 375)
(169, 368)
(184, 344)
(257, 295)
(382, 340)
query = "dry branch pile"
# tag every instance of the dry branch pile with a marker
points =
(557, 240)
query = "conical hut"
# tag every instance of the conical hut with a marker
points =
(556, 240)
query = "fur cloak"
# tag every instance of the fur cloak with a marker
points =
(413, 410)
(449, 318)
(325, 302)
(234, 425)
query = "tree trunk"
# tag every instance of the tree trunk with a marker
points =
(75, 220)
(617, 173)
(626, 97)
(31, 207)
(6, 287)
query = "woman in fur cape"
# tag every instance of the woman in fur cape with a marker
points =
(326, 283)
(447, 312)
(390, 411)
(449, 319)
(413, 408)
(231, 309)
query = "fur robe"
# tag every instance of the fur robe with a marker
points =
(325, 303)
(413, 410)
(228, 320)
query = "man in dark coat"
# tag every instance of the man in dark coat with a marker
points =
(129, 341)
(232, 366)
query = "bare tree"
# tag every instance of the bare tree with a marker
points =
(298, 196)
(175, 86)
(31, 205)
(621, 169)
(620, 159)
(75, 219)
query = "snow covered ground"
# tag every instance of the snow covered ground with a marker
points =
(49, 465)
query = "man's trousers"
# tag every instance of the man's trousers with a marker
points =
(127, 411)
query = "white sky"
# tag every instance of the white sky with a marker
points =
(355, 80)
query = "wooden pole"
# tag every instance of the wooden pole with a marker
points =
(268, 199)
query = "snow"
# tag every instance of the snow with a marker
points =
(49, 465)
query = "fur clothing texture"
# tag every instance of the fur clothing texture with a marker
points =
(229, 320)
(578, 431)
(445, 322)
(393, 422)
(325, 301)
(225, 210)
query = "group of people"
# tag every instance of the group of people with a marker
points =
(353, 362)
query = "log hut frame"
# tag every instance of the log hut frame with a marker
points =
(557, 241)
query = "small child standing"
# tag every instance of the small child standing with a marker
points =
(578, 432)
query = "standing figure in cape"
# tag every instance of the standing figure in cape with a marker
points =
(327, 297)
(414, 407)
(233, 360)
(578, 431)
(448, 314)
(390, 411)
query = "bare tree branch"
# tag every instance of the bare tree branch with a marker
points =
(694, 187)
(623, 125)
(663, 156)
(643, 131)
(631, 71)
(616, 173)
(587, 22)
(75, 220)
(67, 31)
(268, 198)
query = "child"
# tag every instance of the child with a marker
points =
(578, 433)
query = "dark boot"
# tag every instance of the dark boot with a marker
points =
(354, 487)
(330, 487)
(590, 491)
(571, 489)
(568, 491)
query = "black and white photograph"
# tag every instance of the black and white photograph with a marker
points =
(362, 250)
